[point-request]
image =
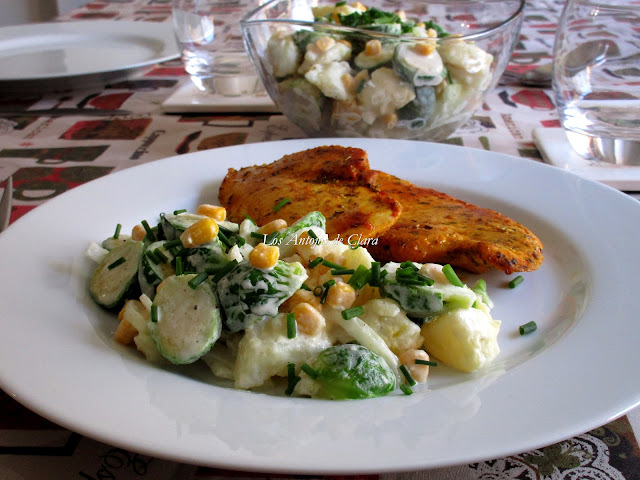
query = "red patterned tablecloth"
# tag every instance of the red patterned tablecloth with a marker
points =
(50, 155)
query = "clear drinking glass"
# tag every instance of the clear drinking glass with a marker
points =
(210, 40)
(596, 79)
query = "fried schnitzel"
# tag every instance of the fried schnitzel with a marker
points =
(409, 222)
(325, 179)
(435, 227)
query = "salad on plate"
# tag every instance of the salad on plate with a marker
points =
(284, 306)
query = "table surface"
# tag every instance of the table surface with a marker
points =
(50, 155)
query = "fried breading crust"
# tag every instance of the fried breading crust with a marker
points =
(435, 227)
(325, 179)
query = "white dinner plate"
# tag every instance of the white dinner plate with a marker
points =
(53, 54)
(576, 372)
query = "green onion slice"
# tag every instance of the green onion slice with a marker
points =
(309, 370)
(147, 228)
(178, 212)
(281, 204)
(315, 262)
(528, 328)
(116, 234)
(419, 361)
(349, 313)
(451, 276)
(119, 261)
(179, 266)
(246, 215)
(291, 325)
(154, 313)
(162, 258)
(197, 280)
(406, 389)
(407, 375)
(516, 281)
(329, 264)
(343, 271)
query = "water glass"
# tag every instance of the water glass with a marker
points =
(210, 40)
(596, 79)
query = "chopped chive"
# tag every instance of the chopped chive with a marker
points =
(306, 287)
(407, 375)
(361, 85)
(226, 269)
(409, 264)
(406, 389)
(309, 370)
(237, 240)
(161, 256)
(257, 235)
(119, 261)
(340, 4)
(291, 325)
(151, 255)
(312, 234)
(173, 243)
(147, 228)
(360, 277)
(224, 239)
(226, 231)
(419, 361)
(451, 276)
(516, 281)
(292, 379)
(315, 262)
(410, 281)
(178, 212)
(281, 204)
(317, 291)
(269, 240)
(116, 234)
(329, 264)
(343, 271)
(349, 313)
(154, 312)
(246, 215)
(375, 274)
(528, 328)
(179, 266)
(197, 280)
(323, 298)
(329, 283)
(427, 280)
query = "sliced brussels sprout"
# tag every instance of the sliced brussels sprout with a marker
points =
(248, 294)
(349, 372)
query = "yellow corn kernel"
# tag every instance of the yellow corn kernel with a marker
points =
(389, 120)
(348, 82)
(324, 43)
(424, 48)
(264, 256)
(138, 232)
(301, 296)
(421, 25)
(431, 33)
(336, 18)
(203, 231)
(373, 48)
(308, 319)
(418, 372)
(359, 6)
(274, 226)
(344, 42)
(341, 296)
(219, 214)
(402, 15)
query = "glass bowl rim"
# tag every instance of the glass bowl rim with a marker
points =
(246, 22)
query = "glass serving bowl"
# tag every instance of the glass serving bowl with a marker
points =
(340, 70)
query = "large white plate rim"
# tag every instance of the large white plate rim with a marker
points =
(394, 442)
(60, 32)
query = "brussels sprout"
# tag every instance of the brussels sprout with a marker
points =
(208, 256)
(418, 295)
(351, 371)
(248, 294)
(286, 239)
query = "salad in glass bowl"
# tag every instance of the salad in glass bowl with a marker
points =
(351, 70)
